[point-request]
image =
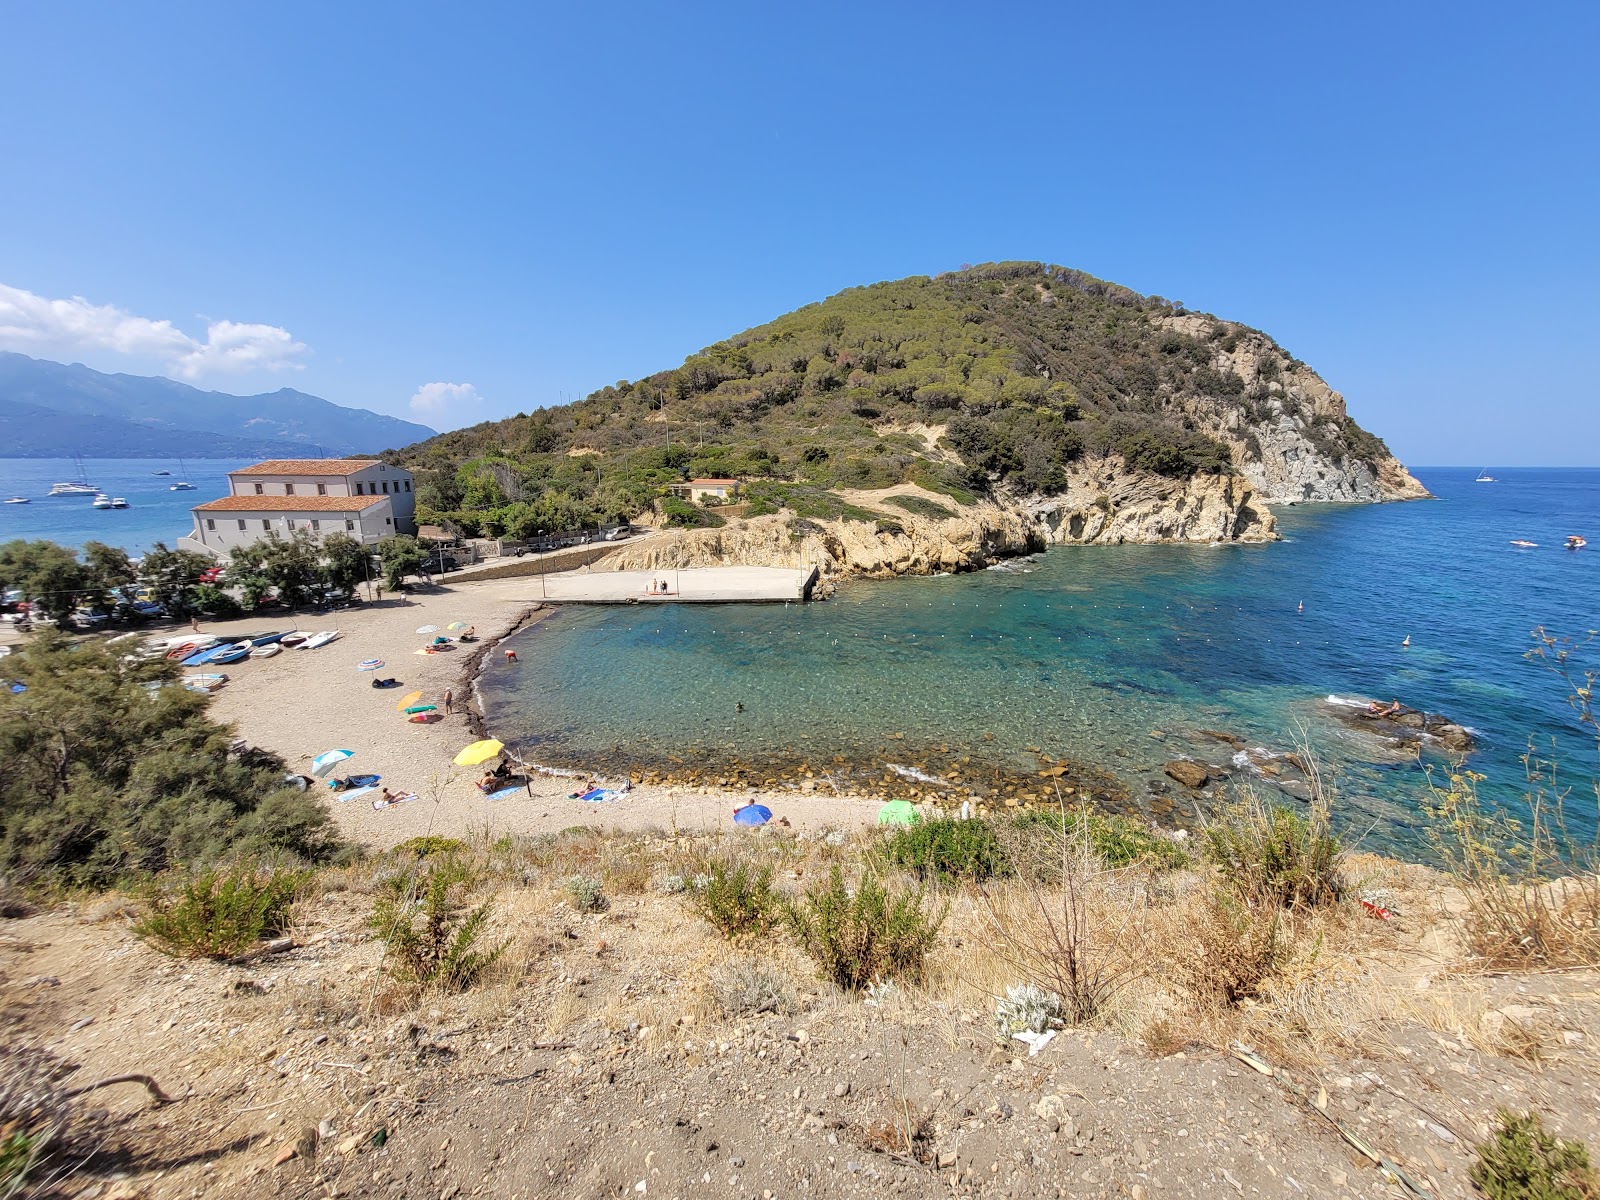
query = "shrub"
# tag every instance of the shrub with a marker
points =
(1271, 854)
(1523, 1161)
(921, 506)
(856, 938)
(222, 913)
(737, 899)
(429, 935)
(430, 845)
(948, 850)
(35, 1113)
(748, 985)
(1117, 841)
(586, 894)
(1027, 1008)
(1237, 948)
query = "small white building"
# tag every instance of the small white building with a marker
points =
(701, 491)
(363, 497)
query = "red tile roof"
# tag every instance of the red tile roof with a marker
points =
(290, 504)
(712, 482)
(309, 466)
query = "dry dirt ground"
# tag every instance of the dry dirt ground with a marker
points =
(597, 1060)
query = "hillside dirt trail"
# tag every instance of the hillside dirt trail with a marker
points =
(595, 1064)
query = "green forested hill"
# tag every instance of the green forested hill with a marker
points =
(1023, 367)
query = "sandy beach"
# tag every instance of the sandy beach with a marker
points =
(302, 702)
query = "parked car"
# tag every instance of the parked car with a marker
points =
(212, 575)
(89, 618)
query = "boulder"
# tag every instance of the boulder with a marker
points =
(1187, 772)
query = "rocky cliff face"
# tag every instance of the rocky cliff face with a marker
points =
(1292, 439)
(1106, 504)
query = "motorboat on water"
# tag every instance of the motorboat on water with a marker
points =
(74, 489)
(101, 500)
(1524, 544)
(161, 472)
(19, 500)
(1576, 542)
(118, 502)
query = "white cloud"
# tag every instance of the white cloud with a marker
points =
(446, 400)
(33, 323)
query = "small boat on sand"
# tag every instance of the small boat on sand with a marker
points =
(293, 638)
(319, 639)
(267, 651)
(204, 682)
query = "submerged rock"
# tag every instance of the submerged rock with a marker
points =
(1187, 772)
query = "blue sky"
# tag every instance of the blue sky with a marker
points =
(528, 202)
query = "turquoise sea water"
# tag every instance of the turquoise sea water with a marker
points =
(1085, 651)
(154, 514)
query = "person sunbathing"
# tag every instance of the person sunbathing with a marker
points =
(1392, 710)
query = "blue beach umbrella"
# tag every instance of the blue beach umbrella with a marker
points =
(326, 762)
(752, 814)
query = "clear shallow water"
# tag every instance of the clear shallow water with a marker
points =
(154, 514)
(1084, 651)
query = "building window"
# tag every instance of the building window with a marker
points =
(267, 525)
(408, 485)
(288, 489)
(322, 489)
(385, 487)
(211, 523)
(316, 524)
(349, 526)
(388, 520)
(288, 522)
(261, 489)
(361, 489)
(241, 524)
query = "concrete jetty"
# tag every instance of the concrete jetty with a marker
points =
(690, 585)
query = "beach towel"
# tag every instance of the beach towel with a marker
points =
(351, 795)
(403, 798)
(355, 781)
(600, 795)
(506, 792)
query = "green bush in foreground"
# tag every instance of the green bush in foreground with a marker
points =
(737, 899)
(870, 934)
(1271, 854)
(948, 850)
(429, 935)
(1115, 840)
(109, 771)
(223, 913)
(1523, 1161)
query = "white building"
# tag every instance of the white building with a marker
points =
(364, 498)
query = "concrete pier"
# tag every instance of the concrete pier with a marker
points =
(690, 585)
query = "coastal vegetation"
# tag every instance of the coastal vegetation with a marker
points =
(109, 773)
(989, 380)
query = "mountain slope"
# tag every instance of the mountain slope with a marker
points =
(43, 406)
(1037, 386)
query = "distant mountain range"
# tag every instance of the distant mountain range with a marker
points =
(50, 410)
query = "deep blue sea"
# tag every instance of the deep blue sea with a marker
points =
(154, 514)
(1086, 652)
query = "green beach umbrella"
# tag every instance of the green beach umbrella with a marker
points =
(899, 812)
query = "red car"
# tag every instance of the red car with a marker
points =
(211, 575)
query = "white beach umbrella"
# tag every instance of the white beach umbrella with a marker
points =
(428, 629)
(323, 764)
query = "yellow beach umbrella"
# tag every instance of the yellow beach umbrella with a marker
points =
(407, 700)
(478, 752)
